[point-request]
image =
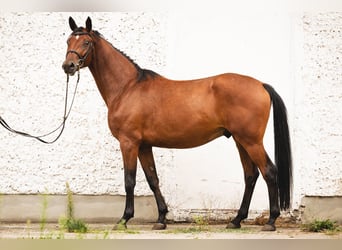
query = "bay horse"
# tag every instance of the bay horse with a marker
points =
(147, 110)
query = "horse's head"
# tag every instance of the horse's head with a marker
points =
(80, 47)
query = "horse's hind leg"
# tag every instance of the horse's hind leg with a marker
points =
(147, 162)
(251, 175)
(269, 172)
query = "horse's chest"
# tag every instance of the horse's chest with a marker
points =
(122, 122)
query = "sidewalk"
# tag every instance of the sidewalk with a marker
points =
(143, 231)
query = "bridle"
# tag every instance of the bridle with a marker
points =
(81, 61)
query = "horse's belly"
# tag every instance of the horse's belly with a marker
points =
(183, 138)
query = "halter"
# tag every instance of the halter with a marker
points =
(81, 59)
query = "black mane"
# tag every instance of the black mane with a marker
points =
(143, 74)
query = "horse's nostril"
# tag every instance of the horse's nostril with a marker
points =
(69, 67)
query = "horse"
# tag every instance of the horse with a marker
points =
(147, 110)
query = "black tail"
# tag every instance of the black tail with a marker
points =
(282, 148)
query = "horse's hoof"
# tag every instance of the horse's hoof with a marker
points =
(233, 226)
(159, 226)
(268, 227)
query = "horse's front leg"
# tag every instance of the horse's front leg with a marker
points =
(129, 152)
(148, 165)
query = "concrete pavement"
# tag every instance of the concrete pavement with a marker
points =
(143, 231)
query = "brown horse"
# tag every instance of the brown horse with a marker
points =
(146, 110)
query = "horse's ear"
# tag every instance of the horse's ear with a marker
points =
(72, 24)
(88, 24)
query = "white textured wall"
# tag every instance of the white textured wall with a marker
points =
(318, 113)
(299, 54)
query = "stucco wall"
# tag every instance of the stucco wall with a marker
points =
(298, 53)
(318, 112)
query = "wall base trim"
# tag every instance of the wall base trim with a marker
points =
(321, 208)
(90, 208)
(109, 209)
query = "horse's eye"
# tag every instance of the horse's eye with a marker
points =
(86, 43)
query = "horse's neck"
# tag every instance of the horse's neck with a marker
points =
(112, 71)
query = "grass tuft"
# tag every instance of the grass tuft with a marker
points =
(69, 223)
(321, 226)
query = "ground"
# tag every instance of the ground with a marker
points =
(173, 231)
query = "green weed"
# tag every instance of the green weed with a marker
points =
(43, 214)
(200, 224)
(106, 234)
(69, 223)
(201, 221)
(188, 230)
(72, 225)
(321, 226)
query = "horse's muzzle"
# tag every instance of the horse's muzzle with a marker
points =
(69, 67)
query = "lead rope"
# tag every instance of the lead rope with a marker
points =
(62, 125)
